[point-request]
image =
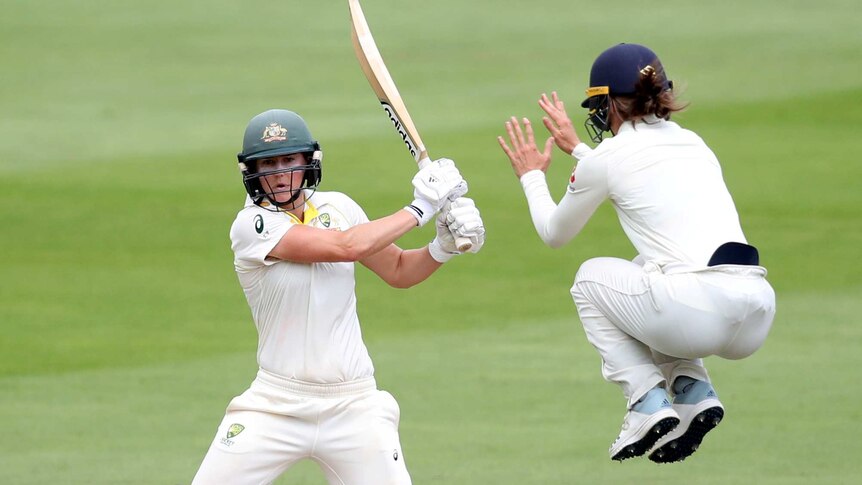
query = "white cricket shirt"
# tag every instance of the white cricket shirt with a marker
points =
(665, 184)
(305, 314)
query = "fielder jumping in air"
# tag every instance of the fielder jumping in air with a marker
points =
(315, 396)
(695, 288)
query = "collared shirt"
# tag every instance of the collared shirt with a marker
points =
(664, 183)
(305, 314)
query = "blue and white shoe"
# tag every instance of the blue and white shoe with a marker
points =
(699, 411)
(648, 420)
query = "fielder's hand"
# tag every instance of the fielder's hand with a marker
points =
(434, 185)
(524, 154)
(558, 123)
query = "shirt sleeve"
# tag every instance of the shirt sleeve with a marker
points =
(581, 150)
(352, 212)
(355, 213)
(254, 233)
(559, 224)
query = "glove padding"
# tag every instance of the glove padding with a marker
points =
(463, 220)
(459, 219)
(437, 183)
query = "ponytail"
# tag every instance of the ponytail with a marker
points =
(653, 95)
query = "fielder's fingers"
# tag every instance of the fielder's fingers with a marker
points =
(557, 102)
(531, 140)
(559, 116)
(546, 105)
(512, 138)
(550, 125)
(519, 132)
(548, 145)
(506, 149)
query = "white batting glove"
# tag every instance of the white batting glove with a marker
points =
(443, 247)
(463, 220)
(433, 186)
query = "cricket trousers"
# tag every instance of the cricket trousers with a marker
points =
(349, 429)
(652, 324)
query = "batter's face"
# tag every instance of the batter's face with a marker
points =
(281, 186)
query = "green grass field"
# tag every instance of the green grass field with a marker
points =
(125, 332)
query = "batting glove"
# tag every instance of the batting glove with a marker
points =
(463, 220)
(443, 247)
(433, 186)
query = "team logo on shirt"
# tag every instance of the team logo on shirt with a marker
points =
(232, 432)
(274, 132)
(325, 219)
(572, 180)
(258, 223)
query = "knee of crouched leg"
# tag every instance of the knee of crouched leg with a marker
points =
(738, 352)
(587, 268)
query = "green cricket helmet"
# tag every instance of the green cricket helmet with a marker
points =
(273, 134)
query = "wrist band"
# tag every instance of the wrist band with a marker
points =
(422, 210)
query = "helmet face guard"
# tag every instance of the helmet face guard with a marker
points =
(265, 195)
(597, 122)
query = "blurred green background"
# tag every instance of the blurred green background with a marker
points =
(123, 330)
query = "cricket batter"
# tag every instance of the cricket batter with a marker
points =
(696, 287)
(315, 396)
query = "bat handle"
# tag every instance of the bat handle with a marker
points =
(463, 244)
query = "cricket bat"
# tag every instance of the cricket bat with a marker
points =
(387, 93)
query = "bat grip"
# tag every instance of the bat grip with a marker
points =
(463, 244)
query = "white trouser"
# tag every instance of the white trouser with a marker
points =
(349, 429)
(651, 325)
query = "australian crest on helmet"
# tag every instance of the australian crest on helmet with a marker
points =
(274, 132)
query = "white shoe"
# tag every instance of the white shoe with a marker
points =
(641, 429)
(700, 411)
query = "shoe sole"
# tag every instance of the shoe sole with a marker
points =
(655, 433)
(681, 448)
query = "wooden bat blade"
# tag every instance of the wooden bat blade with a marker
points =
(382, 84)
(387, 93)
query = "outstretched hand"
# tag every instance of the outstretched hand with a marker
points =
(558, 123)
(524, 154)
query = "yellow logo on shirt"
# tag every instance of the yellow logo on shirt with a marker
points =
(325, 219)
(234, 430)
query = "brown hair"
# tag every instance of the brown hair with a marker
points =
(650, 98)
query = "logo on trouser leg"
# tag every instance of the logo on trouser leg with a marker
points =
(232, 431)
(395, 455)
